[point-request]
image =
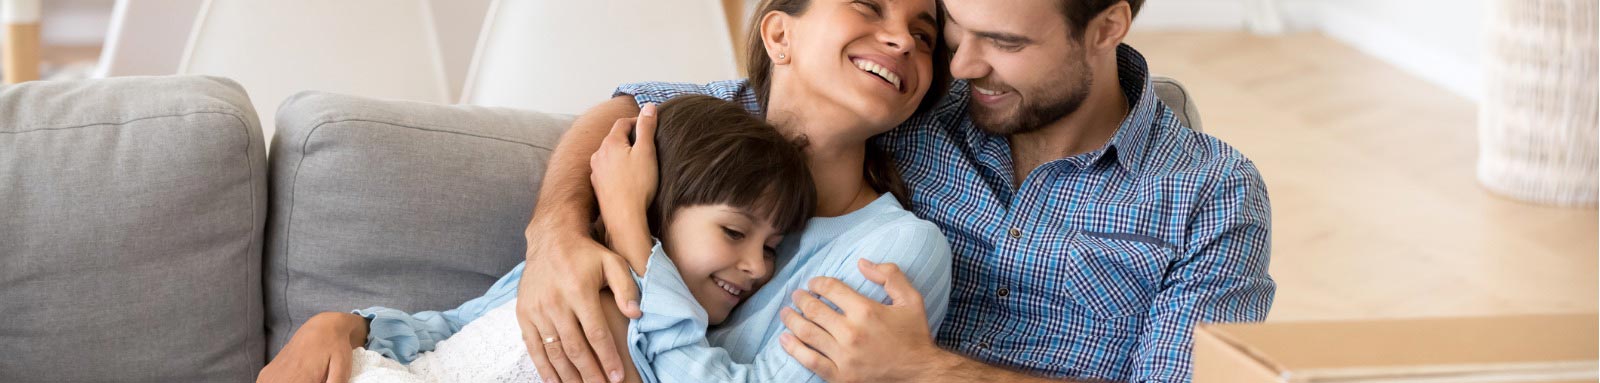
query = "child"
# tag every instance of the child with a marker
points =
(730, 187)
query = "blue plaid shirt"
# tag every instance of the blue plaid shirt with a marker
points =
(1098, 265)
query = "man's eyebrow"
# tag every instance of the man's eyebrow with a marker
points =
(1009, 38)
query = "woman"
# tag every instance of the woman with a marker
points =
(836, 72)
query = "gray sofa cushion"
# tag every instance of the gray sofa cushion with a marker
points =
(131, 219)
(401, 204)
(1177, 97)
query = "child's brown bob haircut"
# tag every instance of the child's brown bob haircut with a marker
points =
(713, 152)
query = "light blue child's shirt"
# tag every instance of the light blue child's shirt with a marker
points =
(671, 342)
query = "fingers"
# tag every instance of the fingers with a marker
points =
(645, 128)
(808, 332)
(600, 339)
(818, 312)
(575, 344)
(554, 351)
(894, 282)
(623, 287)
(619, 132)
(534, 341)
(841, 295)
(811, 359)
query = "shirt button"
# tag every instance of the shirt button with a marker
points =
(983, 345)
(1015, 232)
(1004, 292)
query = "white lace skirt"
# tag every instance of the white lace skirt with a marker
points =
(488, 350)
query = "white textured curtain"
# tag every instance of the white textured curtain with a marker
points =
(1540, 119)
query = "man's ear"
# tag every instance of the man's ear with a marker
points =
(1107, 30)
(775, 36)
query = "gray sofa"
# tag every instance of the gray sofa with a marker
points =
(145, 235)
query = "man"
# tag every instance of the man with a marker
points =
(1091, 231)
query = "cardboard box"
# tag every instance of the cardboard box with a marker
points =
(1543, 349)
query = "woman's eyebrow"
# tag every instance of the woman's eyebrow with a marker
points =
(928, 20)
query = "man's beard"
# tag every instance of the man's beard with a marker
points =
(1048, 103)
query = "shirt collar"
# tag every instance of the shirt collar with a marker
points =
(1133, 136)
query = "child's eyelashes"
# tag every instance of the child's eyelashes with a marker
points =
(733, 234)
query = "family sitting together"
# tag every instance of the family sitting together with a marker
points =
(901, 190)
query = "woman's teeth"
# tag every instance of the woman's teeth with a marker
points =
(727, 287)
(987, 92)
(879, 70)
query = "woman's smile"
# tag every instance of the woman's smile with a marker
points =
(880, 68)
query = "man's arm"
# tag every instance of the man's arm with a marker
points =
(565, 185)
(566, 269)
(1221, 277)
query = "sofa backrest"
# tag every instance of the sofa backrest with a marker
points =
(131, 219)
(406, 205)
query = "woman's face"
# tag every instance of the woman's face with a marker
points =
(724, 254)
(869, 58)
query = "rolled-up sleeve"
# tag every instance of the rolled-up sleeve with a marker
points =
(403, 336)
(1223, 278)
(659, 92)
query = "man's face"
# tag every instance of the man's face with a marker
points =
(1025, 68)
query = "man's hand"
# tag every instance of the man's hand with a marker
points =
(319, 351)
(869, 341)
(562, 325)
(566, 269)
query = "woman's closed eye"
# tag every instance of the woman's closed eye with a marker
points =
(872, 8)
(924, 38)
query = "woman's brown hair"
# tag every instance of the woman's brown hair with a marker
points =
(879, 167)
(713, 151)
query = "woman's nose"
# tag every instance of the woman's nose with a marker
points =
(899, 40)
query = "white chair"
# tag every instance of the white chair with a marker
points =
(147, 37)
(374, 48)
(563, 56)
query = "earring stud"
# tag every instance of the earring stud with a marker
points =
(782, 56)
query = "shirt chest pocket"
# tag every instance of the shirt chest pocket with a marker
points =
(1115, 275)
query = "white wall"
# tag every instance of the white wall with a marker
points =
(1191, 14)
(1441, 41)
(1438, 40)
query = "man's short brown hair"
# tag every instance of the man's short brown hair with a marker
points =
(1080, 12)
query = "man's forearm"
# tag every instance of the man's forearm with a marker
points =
(566, 199)
(952, 367)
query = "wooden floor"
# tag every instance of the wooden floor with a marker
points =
(1371, 171)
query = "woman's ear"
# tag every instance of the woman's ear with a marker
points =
(775, 36)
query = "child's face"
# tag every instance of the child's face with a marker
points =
(724, 253)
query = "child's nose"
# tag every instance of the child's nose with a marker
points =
(755, 265)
